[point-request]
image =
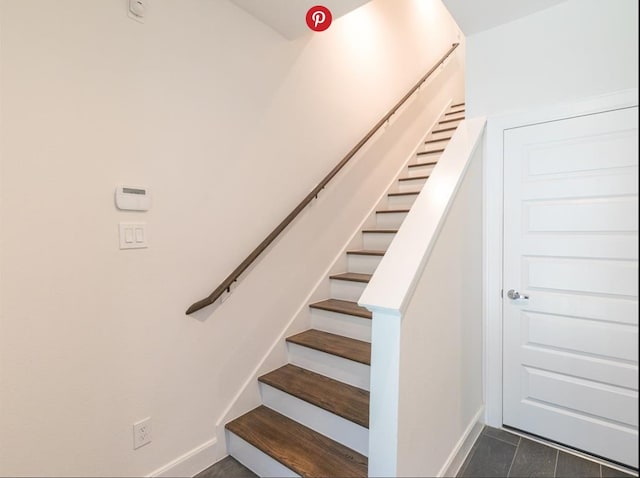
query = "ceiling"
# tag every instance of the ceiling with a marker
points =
(288, 16)
(473, 16)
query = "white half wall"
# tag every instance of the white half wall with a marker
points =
(230, 125)
(426, 299)
(574, 50)
(441, 340)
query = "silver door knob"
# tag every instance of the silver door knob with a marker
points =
(515, 295)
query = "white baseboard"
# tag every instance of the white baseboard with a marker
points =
(191, 463)
(463, 447)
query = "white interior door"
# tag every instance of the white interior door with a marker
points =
(570, 366)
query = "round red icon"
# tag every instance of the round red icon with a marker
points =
(319, 18)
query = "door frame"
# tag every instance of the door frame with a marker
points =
(493, 211)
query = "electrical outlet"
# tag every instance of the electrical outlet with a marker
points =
(141, 433)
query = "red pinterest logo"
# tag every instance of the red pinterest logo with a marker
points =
(319, 18)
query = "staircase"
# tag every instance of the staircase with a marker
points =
(315, 415)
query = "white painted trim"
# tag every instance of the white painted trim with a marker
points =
(493, 217)
(191, 463)
(392, 285)
(463, 447)
(384, 399)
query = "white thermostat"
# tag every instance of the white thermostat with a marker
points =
(130, 198)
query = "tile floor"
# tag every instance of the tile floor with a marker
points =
(496, 453)
(226, 468)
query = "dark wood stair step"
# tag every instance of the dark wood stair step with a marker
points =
(366, 252)
(350, 349)
(343, 306)
(437, 140)
(414, 178)
(297, 447)
(381, 231)
(392, 211)
(410, 193)
(427, 163)
(451, 120)
(455, 112)
(457, 104)
(352, 277)
(433, 151)
(346, 401)
(443, 130)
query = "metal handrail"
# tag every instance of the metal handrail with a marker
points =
(233, 277)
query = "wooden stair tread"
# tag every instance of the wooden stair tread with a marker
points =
(297, 447)
(410, 193)
(342, 306)
(346, 401)
(437, 140)
(451, 120)
(427, 163)
(433, 151)
(414, 178)
(381, 231)
(442, 130)
(352, 277)
(392, 211)
(367, 252)
(350, 349)
(458, 104)
(455, 112)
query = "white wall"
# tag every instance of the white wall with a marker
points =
(230, 125)
(440, 386)
(577, 49)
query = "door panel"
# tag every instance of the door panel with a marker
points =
(571, 245)
(588, 276)
(578, 335)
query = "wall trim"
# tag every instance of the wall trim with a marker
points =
(462, 449)
(191, 463)
(493, 217)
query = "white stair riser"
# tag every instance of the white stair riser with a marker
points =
(332, 366)
(412, 185)
(257, 461)
(427, 158)
(326, 423)
(364, 264)
(390, 220)
(424, 170)
(436, 145)
(347, 290)
(457, 121)
(444, 134)
(350, 326)
(401, 201)
(376, 241)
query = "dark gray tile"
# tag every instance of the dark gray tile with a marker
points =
(501, 435)
(227, 468)
(613, 473)
(490, 458)
(534, 459)
(570, 466)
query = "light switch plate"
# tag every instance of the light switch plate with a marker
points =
(133, 235)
